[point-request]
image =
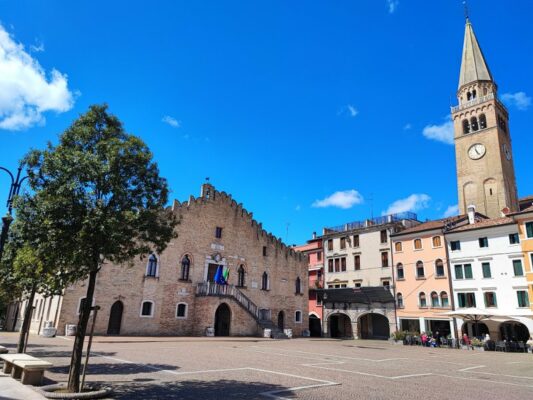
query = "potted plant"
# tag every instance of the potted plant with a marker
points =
(398, 337)
(477, 344)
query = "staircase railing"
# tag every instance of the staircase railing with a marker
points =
(214, 289)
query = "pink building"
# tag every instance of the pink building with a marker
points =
(313, 249)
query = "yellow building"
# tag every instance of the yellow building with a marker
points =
(524, 220)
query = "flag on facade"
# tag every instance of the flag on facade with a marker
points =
(225, 274)
(221, 275)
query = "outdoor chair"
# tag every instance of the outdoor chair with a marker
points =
(501, 346)
(490, 345)
(522, 347)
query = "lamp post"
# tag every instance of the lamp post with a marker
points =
(14, 190)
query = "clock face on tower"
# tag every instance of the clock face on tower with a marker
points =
(507, 152)
(476, 151)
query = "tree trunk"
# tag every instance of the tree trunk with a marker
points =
(77, 351)
(26, 323)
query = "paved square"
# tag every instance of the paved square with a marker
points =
(253, 368)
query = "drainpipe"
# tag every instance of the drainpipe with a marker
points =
(452, 295)
(393, 284)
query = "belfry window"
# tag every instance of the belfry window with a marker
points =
(473, 124)
(474, 94)
(466, 127)
(468, 96)
(482, 121)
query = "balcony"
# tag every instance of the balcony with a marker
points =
(477, 101)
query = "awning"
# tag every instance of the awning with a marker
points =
(477, 315)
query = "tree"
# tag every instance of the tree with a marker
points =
(25, 269)
(102, 201)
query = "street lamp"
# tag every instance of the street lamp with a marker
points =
(14, 190)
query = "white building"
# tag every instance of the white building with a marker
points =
(487, 269)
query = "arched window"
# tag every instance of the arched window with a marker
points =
(436, 241)
(484, 91)
(185, 267)
(399, 271)
(418, 244)
(473, 124)
(399, 300)
(298, 317)
(434, 299)
(439, 267)
(444, 299)
(474, 94)
(422, 299)
(398, 246)
(468, 96)
(147, 308)
(466, 126)
(420, 269)
(298, 286)
(181, 311)
(264, 281)
(482, 121)
(151, 267)
(241, 278)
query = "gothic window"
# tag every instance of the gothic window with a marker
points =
(439, 267)
(473, 124)
(474, 94)
(298, 286)
(264, 281)
(468, 96)
(151, 267)
(185, 267)
(482, 121)
(241, 281)
(466, 127)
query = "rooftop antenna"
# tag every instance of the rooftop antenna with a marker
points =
(371, 199)
(465, 4)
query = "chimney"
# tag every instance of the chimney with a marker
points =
(314, 235)
(471, 210)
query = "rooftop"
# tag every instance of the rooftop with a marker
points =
(484, 223)
(430, 225)
(383, 220)
(363, 295)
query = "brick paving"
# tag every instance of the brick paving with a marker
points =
(254, 368)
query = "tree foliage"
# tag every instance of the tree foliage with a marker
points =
(101, 199)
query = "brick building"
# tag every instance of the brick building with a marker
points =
(174, 293)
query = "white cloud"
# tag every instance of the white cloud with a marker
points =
(519, 99)
(26, 92)
(441, 133)
(407, 127)
(173, 122)
(413, 203)
(342, 199)
(38, 47)
(451, 211)
(392, 5)
(348, 110)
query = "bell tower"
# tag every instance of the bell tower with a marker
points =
(483, 152)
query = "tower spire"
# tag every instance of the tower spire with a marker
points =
(473, 65)
(465, 4)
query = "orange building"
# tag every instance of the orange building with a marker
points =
(313, 249)
(422, 279)
(524, 220)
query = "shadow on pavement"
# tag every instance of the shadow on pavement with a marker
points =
(116, 368)
(197, 390)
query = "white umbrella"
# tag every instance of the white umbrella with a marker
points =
(472, 314)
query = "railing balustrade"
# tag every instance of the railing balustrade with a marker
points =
(214, 289)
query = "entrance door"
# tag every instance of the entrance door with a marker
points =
(281, 321)
(211, 271)
(222, 320)
(315, 326)
(115, 318)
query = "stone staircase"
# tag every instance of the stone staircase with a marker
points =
(214, 289)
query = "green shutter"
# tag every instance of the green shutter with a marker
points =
(461, 298)
(529, 229)
(458, 272)
(517, 266)
(468, 271)
(486, 270)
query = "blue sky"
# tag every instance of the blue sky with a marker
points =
(310, 113)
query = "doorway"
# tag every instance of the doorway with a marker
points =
(281, 321)
(222, 320)
(115, 318)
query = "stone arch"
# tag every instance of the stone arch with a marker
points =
(373, 325)
(223, 320)
(315, 325)
(340, 325)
